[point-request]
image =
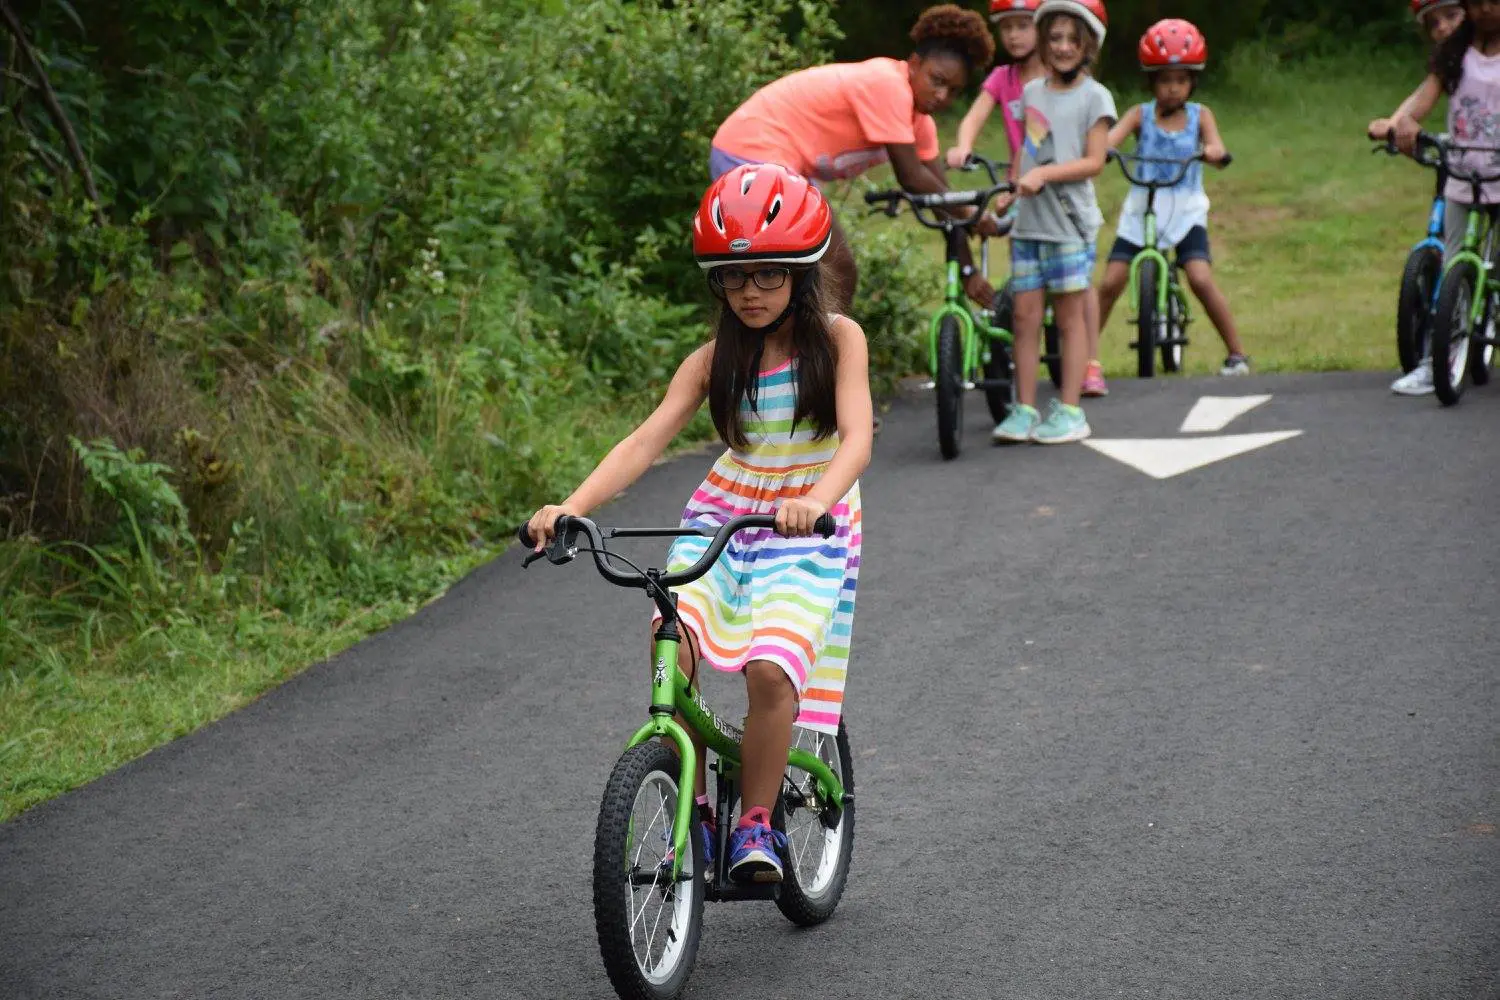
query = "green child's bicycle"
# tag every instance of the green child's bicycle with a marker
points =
(1161, 306)
(968, 348)
(649, 872)
(1468, 299)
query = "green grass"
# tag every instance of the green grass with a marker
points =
(1309, 230)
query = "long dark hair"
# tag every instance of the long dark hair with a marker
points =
(1447, 63)
(735, 371)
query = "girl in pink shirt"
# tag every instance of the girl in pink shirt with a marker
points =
(1002, 88)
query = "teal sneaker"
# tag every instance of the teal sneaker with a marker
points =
(1017, 426)
(1063, 425)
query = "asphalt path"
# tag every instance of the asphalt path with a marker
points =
(1227, 734)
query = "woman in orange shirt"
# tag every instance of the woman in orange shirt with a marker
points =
(837, 121)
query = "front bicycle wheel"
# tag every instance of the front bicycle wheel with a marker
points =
(818, 852)
(948, 381)
(997, 368)
(648, 924)
(1414, 307)
(1052, 350)
(1146, 320)
(1451, 327)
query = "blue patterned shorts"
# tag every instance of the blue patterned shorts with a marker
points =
(1059, 268)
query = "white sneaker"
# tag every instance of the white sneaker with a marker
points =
(1417, 382)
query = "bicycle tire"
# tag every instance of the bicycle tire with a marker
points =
(1424, 267)
(1450, 332)
(1145, 346)
(1173, 355)
(948, 381)
(998, 366)
(614, 895)
(1052, 353)
(809, 905)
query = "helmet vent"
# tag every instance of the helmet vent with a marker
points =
(717, 214)
(746, 181)
(772, 212)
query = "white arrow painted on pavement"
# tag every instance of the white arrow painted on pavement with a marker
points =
(1163, 458)
(1214, 413)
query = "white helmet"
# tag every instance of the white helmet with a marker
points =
(1092, 13)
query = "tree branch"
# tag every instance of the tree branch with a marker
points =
(59, 118)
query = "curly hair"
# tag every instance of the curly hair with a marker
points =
(949, 29)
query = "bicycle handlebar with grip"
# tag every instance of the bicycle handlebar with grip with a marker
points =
(825, 525)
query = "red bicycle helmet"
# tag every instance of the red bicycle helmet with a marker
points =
(1000, 9)
(1173, 44)
(761, 212)
(1091, 11)
(1421, 8)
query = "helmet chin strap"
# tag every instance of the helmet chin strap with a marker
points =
(751, 388)
(1073, 73)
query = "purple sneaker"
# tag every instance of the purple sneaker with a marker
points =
(755, 850)
(707, 834)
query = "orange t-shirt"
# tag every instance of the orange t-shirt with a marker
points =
(830, 122)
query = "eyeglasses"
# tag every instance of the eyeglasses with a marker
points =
(733, 278)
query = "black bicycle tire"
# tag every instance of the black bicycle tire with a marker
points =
(611, 915)
(1171, 362)
(1052, 353)
(794, 904)
(1460, 282)
(1145, 347)
(998, 366)
(1424, 266)
(1482, 356)
(948, 385)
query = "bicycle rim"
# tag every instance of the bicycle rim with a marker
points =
(813, 849)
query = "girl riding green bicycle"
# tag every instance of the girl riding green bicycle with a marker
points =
(787, 384)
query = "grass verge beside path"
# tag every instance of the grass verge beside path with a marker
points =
(1309, 230)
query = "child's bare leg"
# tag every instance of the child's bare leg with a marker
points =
(1201, 280)
(1070, 308)
(1116, 277)
(1029, 307)
(1093, 320)
(768, 734)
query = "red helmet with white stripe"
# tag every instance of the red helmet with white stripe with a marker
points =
(1091, 12)
(1000, 9)
(1421, 8)
(761, 212)
(1173, 44)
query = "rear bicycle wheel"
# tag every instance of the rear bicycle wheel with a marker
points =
(1052, 350)
(948, 381)
(1414, 307)
(648, 924)
(1482, 356)
(1175, 328)
(1146, 320)
(818, 853)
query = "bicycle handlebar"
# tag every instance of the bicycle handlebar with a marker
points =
(1429, 153)
(978, 198)
(1182, 167)
(564, 545)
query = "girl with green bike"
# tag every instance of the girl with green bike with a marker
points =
(1171, 127)
(1466, 67)
(787, 383)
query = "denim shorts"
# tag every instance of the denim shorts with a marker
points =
(1059, 268)
(1194, 246)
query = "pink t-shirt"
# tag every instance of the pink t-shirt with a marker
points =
(1005, 86)
(1474, 120)
(830, 122)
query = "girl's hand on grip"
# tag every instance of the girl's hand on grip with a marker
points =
(1407, 129)
(1031, 183)
(543, 524)
(795, 517)
(957, 157)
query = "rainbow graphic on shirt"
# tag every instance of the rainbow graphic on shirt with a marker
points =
(1038, 129)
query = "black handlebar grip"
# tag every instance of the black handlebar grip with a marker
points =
(871, 197)
(523, 535)
(826, 525)
(1228, 159)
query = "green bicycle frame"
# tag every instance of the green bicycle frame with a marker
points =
(954, 305)
(1477, 227)
(671, 691)
(1150, 252)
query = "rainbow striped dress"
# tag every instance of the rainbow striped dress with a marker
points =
(786, 600)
